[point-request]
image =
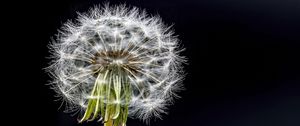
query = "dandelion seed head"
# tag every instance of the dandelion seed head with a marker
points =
(126, 37)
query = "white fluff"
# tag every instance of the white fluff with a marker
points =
(106, 29)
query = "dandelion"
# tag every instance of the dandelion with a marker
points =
(116, 62)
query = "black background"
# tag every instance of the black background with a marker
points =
(243, 67)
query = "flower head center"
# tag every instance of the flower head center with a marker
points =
(115, 58)
(117, 62)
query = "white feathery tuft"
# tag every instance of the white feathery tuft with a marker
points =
(124, 36)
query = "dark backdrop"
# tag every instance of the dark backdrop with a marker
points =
(243, 67)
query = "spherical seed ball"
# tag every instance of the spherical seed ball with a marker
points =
(125, 37)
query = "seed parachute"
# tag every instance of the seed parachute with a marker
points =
(115, 62)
